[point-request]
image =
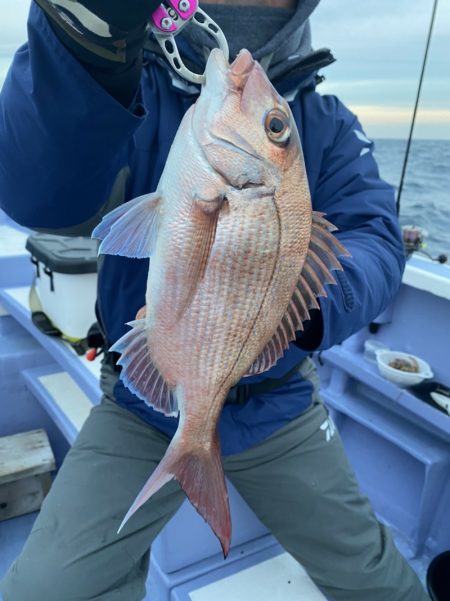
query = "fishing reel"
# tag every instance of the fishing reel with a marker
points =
(414, 241)
(169, 19)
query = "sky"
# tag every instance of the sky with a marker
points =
(379, 47)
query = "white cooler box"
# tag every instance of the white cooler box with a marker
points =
(66, 281)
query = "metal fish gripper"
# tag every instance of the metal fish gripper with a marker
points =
(169, 19)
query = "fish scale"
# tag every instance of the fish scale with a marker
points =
(220, 285)
(237, 258)
(240, 294)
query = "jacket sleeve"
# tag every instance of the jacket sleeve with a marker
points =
(348, 188)
(114, 61)
(63, 138)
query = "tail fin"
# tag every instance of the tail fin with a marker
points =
(200, 474)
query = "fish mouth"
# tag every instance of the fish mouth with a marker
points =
(221, 80)
(234, 75)
(215, 136)
(243, 64)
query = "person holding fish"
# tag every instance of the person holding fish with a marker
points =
(216, 188)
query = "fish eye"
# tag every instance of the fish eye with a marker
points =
(278, 127)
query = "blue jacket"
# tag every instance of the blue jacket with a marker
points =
(63, 140)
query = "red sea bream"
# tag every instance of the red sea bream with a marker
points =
(237, 258)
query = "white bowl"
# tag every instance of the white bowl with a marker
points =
(399, 377)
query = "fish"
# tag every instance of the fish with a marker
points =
(238, 258)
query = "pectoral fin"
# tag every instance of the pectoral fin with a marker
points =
(130, 230)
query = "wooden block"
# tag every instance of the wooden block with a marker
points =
(23, 496)
(26, 460)
(25, 454)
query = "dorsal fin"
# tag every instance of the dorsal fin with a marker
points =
(139, 373)
(321, 260)
(308, 294)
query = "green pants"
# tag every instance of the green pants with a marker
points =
(298, 483)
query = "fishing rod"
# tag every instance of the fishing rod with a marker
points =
(408, 146)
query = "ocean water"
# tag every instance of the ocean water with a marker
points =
(425, 199)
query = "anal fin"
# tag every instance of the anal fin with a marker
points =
(139, 374)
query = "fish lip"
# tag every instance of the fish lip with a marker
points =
(216, 61)
(234, 75)
(243, 64)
